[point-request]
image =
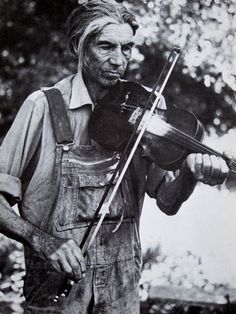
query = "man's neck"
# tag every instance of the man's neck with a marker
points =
(96, 91)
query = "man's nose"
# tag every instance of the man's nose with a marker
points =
(116, 57)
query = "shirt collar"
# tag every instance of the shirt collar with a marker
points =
(79, 93)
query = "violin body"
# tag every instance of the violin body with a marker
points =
(165, 149)
(168, 137)
(111, 125)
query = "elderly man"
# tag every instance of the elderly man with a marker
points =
(58, 188)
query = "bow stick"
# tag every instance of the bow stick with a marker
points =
(103, 207)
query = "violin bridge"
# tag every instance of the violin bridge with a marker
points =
(135, 116)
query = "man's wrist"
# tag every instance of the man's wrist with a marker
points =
(186, 172)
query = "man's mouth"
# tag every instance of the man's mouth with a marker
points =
(112, 74)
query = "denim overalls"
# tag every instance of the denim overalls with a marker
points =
(114, 259)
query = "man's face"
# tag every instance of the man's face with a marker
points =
(108, 54)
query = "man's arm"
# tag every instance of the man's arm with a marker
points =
(172, 189)
(16, 151)
(63, 254)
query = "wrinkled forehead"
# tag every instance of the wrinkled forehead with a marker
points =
(116, 33)
(111, 29)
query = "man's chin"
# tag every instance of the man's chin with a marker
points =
(109, 82)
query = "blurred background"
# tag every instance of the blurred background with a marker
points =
(189, 259)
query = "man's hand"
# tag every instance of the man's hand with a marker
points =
(208, 169)
(64, 255)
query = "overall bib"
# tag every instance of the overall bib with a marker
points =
(113, 261)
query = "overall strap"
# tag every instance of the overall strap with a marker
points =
(59, 117)
(64, 138)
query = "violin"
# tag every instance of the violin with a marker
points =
(129, 117)
(170, 136)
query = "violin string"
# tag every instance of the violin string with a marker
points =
(180, 137)
(204, 149)
(185, 140)
(193, 143)
(177, 135)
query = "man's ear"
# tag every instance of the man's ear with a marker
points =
(85, 55)
(75, 49)
(85, 59)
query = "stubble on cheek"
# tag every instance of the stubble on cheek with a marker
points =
(107, 82)
(104, 78)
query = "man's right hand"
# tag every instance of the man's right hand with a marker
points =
(64, 255)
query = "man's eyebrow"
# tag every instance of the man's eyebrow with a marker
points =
(108, 42)
(104, 42)
(131, 43)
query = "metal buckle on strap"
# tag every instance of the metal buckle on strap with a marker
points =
(65, 146)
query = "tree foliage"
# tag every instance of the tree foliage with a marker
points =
(204, 81)
(33, 53)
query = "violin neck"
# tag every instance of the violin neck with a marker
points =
(196, 146)
(204, 149)
(164, 129)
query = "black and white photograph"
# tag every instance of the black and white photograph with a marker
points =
(117, 157)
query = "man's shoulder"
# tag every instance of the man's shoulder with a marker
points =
(65, 84)
(37, 99)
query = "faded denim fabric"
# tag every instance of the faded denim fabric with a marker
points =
(28, 176)
(27, 154)
(113, 261)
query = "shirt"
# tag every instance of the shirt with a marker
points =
(27, 155)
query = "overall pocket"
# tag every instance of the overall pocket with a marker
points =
(79, 197)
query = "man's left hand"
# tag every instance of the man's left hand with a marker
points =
(208, 169)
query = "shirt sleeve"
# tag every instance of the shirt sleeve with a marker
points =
(170, 189)
(19, 146)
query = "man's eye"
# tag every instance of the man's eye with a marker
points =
(126, 50)
(106, 47)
